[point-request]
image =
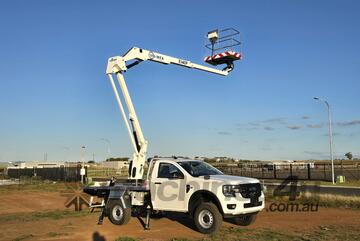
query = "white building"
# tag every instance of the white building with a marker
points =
(115, 164)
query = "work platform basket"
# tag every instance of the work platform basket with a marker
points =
(224, 46)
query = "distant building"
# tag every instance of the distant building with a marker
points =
(40, 164)
(115, 164)
(286, 164)
(222, 158)
(200, 158)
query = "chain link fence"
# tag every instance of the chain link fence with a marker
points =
(317, 172)
(62, 173)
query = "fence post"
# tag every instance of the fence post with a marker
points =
(86, 172)
(342, 170)
(291, 174)
(262, 171)
(65, 172)
(274, 171)
(324, 172)
(308, 171)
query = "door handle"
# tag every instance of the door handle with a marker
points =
(157, 182)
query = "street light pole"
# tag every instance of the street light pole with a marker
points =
(82, 170)
(330, 137)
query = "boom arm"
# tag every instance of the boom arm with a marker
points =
(120, 64)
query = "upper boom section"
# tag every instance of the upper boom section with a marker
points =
(119, 63)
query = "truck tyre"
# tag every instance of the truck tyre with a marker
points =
(117, 213)
(207, 218)
(245, 219)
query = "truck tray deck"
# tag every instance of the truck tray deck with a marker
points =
(104, 191)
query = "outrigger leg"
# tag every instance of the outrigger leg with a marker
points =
(101, 216)
(147, 221)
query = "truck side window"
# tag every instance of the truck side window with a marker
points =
(167, 170)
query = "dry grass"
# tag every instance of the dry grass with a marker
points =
(350, 183)
(244, 234)
(39, 186)
(323, 200)
(331, 200)
(34, 216)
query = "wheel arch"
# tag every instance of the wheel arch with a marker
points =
(203, 196)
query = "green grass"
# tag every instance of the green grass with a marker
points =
(239, 233)
(323, 200)
(23, 237)
(245, 234)
(334, 201)
(125, 239)
(351, 183)
(43, 186)
(180, 239)
(34, 216)
(3, 164)
(335, 233)
(53, 234)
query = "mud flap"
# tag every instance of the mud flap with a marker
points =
(115, 194)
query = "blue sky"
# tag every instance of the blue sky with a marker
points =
(55, 97)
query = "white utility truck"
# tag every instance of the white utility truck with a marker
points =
(174, 184)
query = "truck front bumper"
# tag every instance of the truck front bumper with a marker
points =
(238, 205)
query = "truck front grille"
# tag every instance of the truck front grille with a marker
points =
(252, 191)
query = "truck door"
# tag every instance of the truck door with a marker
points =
(167, 187)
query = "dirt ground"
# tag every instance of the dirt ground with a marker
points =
(85, 227)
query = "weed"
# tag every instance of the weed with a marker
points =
(125, 239)
(33, 216)
(53, 234)
(23, 237)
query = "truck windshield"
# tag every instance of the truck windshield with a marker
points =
(199, 168)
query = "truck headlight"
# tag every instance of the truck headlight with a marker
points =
(230, 190)
(263, 188)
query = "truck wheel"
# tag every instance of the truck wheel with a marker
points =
(207, 218)
(245, 219)
(118, 214)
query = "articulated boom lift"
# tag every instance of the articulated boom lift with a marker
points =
(194, 187)
(118, 65)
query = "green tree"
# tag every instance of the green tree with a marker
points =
(349, 155)
(117, 159)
